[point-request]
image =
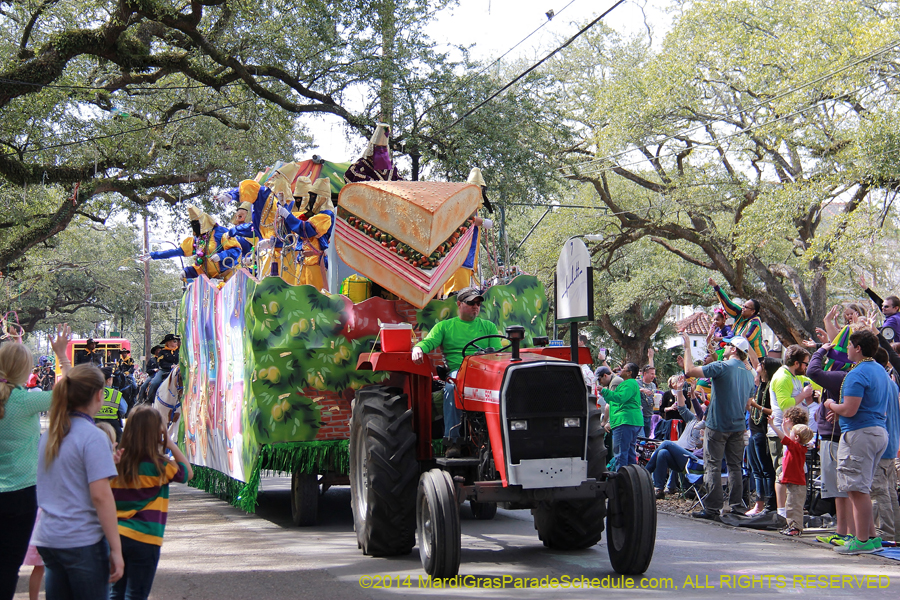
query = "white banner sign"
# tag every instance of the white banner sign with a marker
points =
(574, 288)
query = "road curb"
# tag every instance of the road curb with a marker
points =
(809, 540)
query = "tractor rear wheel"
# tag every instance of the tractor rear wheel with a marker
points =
(631, 521)
(304, 498)
(437, 518)
(483, 511)
(576, 524)
(383, 471)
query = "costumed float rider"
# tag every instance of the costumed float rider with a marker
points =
(114, 407)
(292, 264)
(747, 323)
(315, 234)
(167, 360)
(211, 249)
(375, 164)
(242, 229)
(465, 274)
(89, 355)
(452, 335)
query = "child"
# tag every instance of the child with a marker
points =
(793, 479)
(33, 559)
(720, 329)
(142, 498)
(109, 431)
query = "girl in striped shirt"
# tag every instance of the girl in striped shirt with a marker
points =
(141, 491)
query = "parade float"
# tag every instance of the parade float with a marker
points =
(269, 368)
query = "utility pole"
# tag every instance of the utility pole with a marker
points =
(387, 24)
(146, 291)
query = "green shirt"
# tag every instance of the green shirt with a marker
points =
(624, 404)
(20, 431)
(453, 334)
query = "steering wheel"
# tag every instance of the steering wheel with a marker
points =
(485, 350)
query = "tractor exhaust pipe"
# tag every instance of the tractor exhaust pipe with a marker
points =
(515, 333)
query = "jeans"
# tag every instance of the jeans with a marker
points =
(761, 467)
(647, 421)
(668, 460)
(731, 445)
(154, 385)
(452, 418)
(77, 573)
(140, 568)
(624, 439)
(17, 512)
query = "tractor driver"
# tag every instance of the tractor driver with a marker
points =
(452, 335)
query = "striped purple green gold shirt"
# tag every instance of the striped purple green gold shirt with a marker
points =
(142, 507)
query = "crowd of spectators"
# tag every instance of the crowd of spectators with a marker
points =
(811, 424)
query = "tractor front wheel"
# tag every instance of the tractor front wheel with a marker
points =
(383, 471)
(631, 524)
(437, 518)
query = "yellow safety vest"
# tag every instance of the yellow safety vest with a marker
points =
(109, 409)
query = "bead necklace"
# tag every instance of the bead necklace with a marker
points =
(200, 243)
(861, 361)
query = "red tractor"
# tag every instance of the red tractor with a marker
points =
(532, 439)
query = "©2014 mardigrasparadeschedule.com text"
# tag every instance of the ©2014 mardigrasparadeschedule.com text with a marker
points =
(695, 582)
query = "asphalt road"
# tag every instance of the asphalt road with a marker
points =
(216, 552)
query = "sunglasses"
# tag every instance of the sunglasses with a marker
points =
(474, 302)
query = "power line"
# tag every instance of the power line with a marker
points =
(501, 57)
(883, 50)
(530, 69)
(127, 131)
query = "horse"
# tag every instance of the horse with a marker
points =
(168, 400)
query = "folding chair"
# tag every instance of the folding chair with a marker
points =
(694, 473)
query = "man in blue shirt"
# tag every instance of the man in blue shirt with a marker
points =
(732, 386)
(885, 507)
(865, 393)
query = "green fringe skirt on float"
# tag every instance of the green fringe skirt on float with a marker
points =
(307, 457)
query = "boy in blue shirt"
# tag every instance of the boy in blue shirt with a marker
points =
(864, 438)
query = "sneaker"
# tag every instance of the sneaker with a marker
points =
(753, 511)
(660, 495)
(854, 546)
(670, 491)
(831, 538)
(841, 540)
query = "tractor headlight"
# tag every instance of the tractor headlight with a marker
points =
(518, 425)
(571, 422)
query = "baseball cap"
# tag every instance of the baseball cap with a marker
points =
(601, 371)
(468, 294)
(107, 372)
(739, 342)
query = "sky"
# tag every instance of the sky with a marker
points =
(491, 28)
